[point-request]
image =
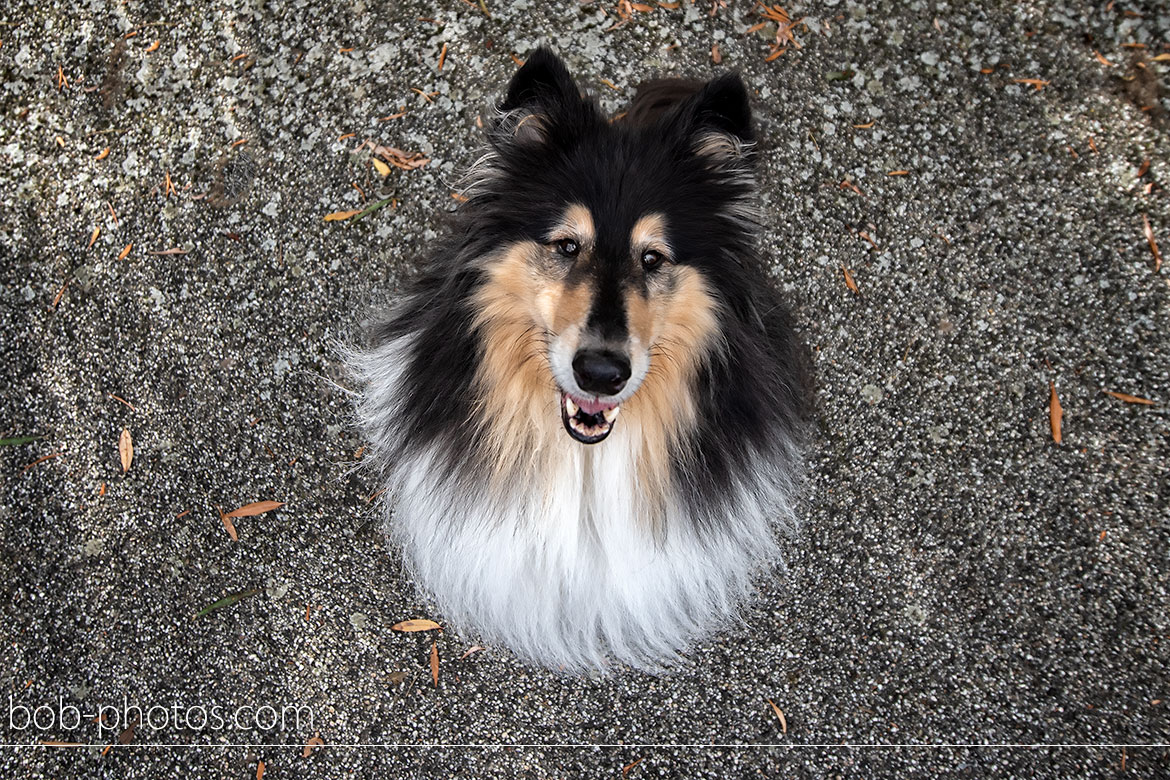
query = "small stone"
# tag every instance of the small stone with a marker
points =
(871, 394)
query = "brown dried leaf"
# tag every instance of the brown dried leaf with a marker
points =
(126, 449)
(41, 459)
(716, 57)
(123, 401)
(1129, 399)
(126, 251)
(846, 184)
(1145, 166)
(410, 626)
(435, 662)
(94, 236)
(340, 215)
(382, 168)
(1039, 84)
(316, 741)
(626, 769)
(472, 649)
(852, 285)
(260, 770)
(400, 159)
(230, 526)
(255, 508)
(1153, 244)
(780, 715)
(103, 154)
(1055, 413)
(898, 173)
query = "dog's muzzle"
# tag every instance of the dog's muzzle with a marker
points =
(600, 372)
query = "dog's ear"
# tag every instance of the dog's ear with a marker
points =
(543, 81)
(717, 120)
(723, 105)
(540, 94)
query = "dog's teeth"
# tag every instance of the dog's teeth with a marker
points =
(611, 414)
(571, 407)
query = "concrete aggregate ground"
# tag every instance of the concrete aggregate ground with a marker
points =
(958, 578)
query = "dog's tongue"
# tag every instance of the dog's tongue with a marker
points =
(592, 407)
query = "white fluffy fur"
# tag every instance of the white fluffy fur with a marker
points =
(564, 569)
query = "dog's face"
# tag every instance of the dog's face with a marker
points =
(603, 286)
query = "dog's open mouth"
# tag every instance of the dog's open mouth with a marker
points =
(587, 421)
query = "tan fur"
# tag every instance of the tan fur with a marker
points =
(514, 387)
(531, 129)
(561, 306)
(680, 326)
(719, 147)
(649, 233)
(523, 299)
(577, 223)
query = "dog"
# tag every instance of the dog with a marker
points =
(588, 408)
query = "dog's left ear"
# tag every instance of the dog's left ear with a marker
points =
(722, 104)
(718, 119)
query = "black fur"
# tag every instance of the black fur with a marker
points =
(753, 391)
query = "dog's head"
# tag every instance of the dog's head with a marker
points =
(611, 243)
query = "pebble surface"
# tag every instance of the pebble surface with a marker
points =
(958, 577)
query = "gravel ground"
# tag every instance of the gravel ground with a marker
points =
(959, 577)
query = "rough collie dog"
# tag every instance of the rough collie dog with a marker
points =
(586, 410)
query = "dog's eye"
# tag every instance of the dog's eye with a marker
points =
(568, 247)
(651, 259)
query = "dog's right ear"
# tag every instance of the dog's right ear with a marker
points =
(541, 93)
(543, 81)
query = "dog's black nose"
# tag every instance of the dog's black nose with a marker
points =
(604, 373)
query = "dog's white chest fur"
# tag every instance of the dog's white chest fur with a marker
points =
(567, 570)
